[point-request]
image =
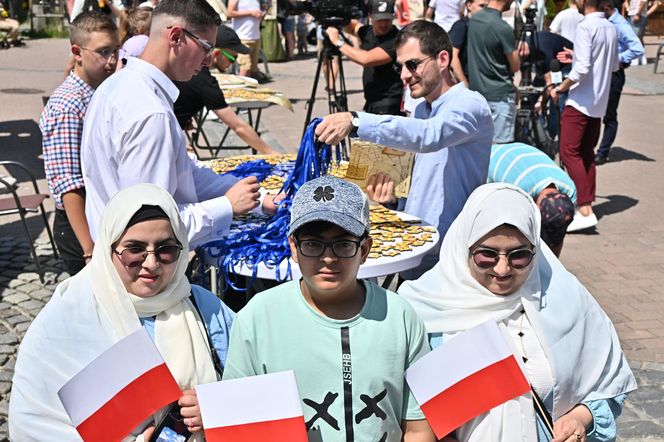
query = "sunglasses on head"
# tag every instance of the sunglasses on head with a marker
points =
(486, 258)
(134, 256)
(228, 55)
(411, 65)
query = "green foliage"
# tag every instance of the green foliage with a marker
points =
(50, 31)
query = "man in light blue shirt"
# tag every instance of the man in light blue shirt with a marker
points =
(451, 133)
(630, 49)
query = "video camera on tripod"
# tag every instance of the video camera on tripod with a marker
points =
(530, 127)
(336, 13)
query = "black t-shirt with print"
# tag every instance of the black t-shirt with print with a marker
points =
(382, 86)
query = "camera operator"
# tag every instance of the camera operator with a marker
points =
(383, 88)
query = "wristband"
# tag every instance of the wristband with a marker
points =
(87, 255)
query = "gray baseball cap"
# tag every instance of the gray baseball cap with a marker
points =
(333, 200)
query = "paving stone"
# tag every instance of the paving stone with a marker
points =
(28, 288)
(23, 327)
(28, 305)
(7, 349)
(42, 294)
(16, 298)
(639, 430)
(8, 338)
(15, 283)
(17, 319)
(9, 365)
(4, 406)
(6, 375)
(30, 276)
(5, 387)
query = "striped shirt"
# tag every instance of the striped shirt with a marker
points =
(529, 169)
(61, 125)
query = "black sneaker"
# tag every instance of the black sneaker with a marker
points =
(601, 159)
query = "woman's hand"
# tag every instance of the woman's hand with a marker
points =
(572, 426)
(190, 412)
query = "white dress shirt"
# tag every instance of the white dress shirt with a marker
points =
(565, 23)
(131, 136)
(595, 58)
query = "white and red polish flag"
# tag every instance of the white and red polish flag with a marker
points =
(265, 408)
(118, 390)
(465, 377)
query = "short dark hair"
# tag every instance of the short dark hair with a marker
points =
(597, 4)
(88, 22)
(197, 14)
(433, 39)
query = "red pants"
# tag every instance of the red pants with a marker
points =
(579, 134)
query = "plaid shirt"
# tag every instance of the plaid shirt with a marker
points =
(61, 125)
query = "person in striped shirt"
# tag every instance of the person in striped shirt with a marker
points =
(550, 187)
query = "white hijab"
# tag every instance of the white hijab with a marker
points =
(578, 338)
(90, 312)
(179, 333)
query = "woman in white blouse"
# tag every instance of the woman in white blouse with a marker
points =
(493, 266)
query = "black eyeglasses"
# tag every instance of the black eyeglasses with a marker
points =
(207, 47)
(134, 256)
(486, 258)
(343, 248)
(104, 53)
(411, 65)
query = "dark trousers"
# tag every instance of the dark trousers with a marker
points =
(611, 117)
(70, 249)
(578, 136)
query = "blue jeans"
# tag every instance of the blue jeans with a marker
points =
(611, 117)
(503, 114)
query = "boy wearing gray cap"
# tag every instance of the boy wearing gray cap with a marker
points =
(349, 341)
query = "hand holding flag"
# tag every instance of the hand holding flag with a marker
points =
(465, 377)
(118, 390)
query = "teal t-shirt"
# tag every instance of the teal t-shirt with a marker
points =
(490, 39)
(350, 373)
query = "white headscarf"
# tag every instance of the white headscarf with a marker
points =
(179, 333)
(90, 312)
(578, 338)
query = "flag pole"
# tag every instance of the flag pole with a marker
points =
(542, 411)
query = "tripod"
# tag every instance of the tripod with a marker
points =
(337, 99)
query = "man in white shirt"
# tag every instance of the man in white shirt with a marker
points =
(595, 59)
(131, 134)
(566, 21)
(445, 12)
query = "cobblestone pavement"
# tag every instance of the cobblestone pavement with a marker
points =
(620, 262)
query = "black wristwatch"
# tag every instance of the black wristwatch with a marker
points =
(355, 122)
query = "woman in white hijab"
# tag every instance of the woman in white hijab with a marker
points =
(493, 266)
(136, 278)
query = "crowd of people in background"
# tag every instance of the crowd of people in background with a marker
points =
(440, 81)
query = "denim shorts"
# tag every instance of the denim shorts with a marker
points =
(503, 114)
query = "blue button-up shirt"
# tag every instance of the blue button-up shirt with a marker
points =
(629, 46)
(452, 140)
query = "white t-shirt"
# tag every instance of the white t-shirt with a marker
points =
(247, 28)
(447, 12)
(634, 6)
(565, 23)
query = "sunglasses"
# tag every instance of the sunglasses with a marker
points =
(485, 258)
(411, 65)
(228, 55)
(135, 255)
(207, 47)
(104, 53)
(343, 248)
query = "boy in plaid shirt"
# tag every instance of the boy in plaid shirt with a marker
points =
(94, 45)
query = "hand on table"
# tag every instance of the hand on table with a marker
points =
(334, 128)
(380, 189)
(190, 411)
(271, 202)
(244, 195)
